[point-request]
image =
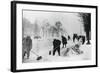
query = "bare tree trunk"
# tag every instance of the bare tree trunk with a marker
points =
(88, 39)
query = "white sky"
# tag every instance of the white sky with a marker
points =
(70, 21)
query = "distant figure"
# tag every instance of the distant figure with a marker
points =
(82, 38)
(68, 37)
(75, 36)
(56, 46)
(26, 46)
(64, 41)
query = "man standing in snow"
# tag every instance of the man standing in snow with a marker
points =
(64, 41)
(27, 46)
(56, 46)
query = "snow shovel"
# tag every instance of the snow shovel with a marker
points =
(38, 57)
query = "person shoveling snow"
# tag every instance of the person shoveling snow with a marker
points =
(74, 48)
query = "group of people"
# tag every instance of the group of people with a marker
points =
(75, 48)
(27, 44)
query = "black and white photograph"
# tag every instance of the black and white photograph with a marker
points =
(47, 36)
(55, 36)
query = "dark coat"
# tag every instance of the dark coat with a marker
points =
(26, 46)
(64, 40)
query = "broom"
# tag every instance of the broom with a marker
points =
(38, 57)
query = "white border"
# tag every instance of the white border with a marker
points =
(21, 66)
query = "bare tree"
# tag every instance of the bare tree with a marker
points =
(27, 27)
(36, 29)
(86, 20)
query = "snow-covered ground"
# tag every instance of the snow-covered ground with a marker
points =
(43, 46)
